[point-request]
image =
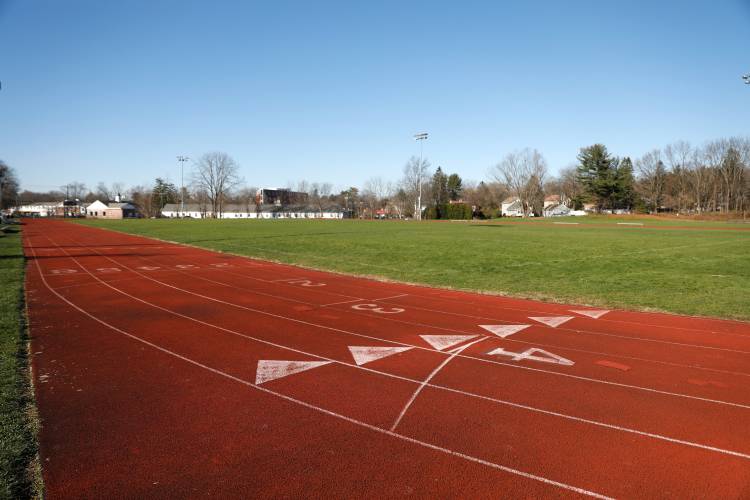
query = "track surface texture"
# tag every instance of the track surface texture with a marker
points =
(165, 370)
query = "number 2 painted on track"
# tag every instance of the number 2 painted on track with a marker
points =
(533, 354)
(380, 310)
(305, 283)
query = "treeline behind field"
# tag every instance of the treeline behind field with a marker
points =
(680, 178)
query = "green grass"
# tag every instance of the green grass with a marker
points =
(19, 476)
(701, 271)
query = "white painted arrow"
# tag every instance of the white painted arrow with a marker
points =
(273, 369)
(441, 342)
(504, 330)
(363, 354)
(553, 321)
(591, 313)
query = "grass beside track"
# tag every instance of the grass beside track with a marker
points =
(703, 270)
(18, 479)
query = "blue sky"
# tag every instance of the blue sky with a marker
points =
(333, 91)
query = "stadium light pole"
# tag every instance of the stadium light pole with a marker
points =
(421, 137)
(182, 160)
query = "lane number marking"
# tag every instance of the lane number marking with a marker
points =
(533, 354)
(63, 271)
(376, 309)
(305, 283)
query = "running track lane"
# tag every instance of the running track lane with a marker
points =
(147, 389)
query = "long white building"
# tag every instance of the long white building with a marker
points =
(232, 211)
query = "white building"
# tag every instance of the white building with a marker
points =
(233, 211)
(112, 210)
(511, 207)
(39, 209)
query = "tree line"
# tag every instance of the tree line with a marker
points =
(680, 177)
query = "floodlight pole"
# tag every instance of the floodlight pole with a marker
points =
(182, 160)
(421, 137)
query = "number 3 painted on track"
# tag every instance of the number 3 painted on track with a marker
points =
(376, 309)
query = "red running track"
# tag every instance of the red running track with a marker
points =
(166, 370)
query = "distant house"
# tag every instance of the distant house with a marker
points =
(511, 207)
(553, 199)
(556, 210)
(113, 210)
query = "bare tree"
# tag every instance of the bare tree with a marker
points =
(679, 156)
(8, 185)
(246, 197)
(215, 175)
(74, 190)
(523, 172)
(375, 193)
(652, 173)
(319, 195)
(415, 182)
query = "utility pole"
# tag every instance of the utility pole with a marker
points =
(421, 137)
(182, 160)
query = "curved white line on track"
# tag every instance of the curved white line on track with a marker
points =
(457, 391)
(490, 361)
(452, 330)
(323, 410)
(256, 262)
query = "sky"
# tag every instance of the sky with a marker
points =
(333, 92)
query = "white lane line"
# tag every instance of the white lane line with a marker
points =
(587, 332)
(380, 430)
(448, 389)
(490, 361)
(392, 297)
(288, 299)
(504, 307)
(342, 302)
(426, 381)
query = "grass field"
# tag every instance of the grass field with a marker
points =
(17, 433)
(688, 267)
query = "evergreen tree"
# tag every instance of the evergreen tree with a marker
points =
(163, 193)
(440, 187)
(625, 181)
(605, 181)
(455, 187)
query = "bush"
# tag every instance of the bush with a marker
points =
(450, 211)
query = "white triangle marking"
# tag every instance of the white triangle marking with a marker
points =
(553, 321)
(591, 313)
(363, 354)
(273, 369)
(504, 330)
(441, 342)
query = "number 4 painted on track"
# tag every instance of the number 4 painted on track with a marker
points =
(546, 357)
